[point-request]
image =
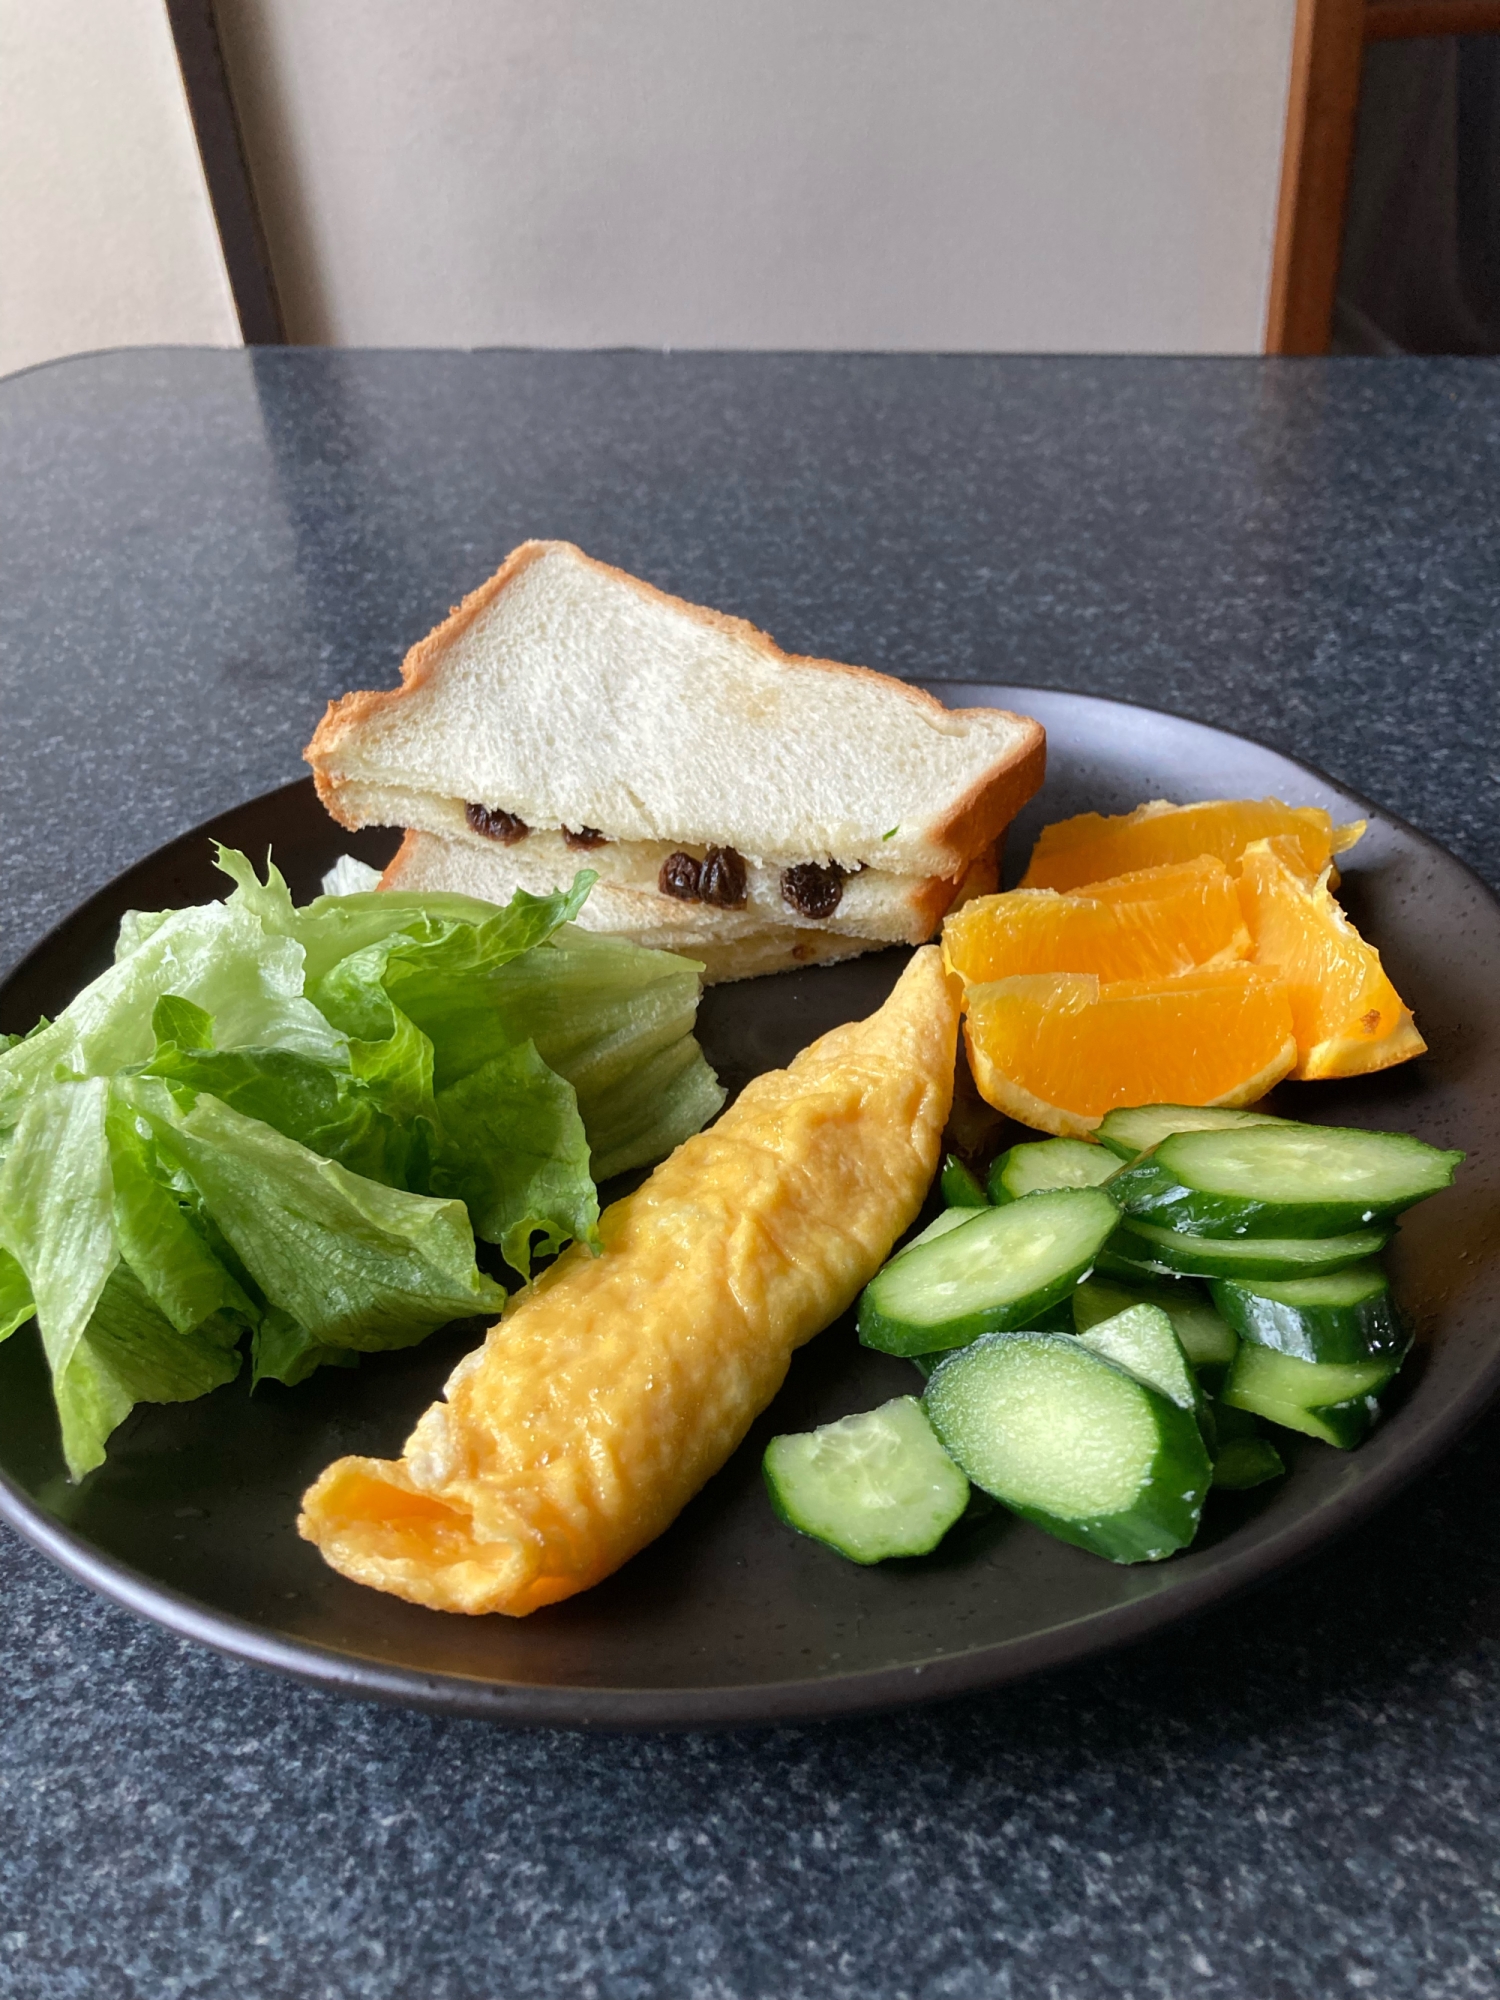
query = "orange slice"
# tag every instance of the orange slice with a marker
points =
(1058, 1050)
(1347, 1015)
(1090, 847)
(1149, 925)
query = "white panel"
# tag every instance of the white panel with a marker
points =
(963, 174)
(106, 235)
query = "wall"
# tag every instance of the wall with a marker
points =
(106, 237)
(994, 174)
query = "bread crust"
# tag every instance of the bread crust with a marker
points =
(973, 822)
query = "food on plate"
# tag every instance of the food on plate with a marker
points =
(1076, 1443)
(1347, 1016)
(618, 1384)
(1053, 1163)
(1074, 1371)
(1147, 925)
(874, 1485)
(1093, 848)
(754, 809)
(1204, 977)
(1059, 1050)
(293, 1123)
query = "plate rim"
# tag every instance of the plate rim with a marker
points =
(764, 1703)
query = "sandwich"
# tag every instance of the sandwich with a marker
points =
(743, 806)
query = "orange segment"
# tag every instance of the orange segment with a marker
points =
(1347, 1015)
(1091, 847)
(1148, 925)
(1058, 1050)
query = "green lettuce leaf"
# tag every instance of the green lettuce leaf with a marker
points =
(160, 1235)
(284, 1351)
(617, 1021)
(220, 957)
(356, 1264)
(16, 1303)
(130, 1353)
(57, 1209)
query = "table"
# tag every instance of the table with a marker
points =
(1300, 1796)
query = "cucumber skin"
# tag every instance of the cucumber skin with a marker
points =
(1176, 1254)
(1125, 1150)
(1056, 1319)
(960, 1186)
(1152, 1193)
(1152, 1528)
(1245, 1462)
(1151, 1190)
(1362, 1332)
(1343, 1425)
(888, 1335)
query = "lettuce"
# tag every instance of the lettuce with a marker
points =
(293, 1123)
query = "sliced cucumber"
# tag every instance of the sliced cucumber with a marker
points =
(1002, 1268)
(1146, 1125)
(959, 1186)
(1144, 1247)
(1206, 1340)
(1050, 1163)
(871, 1486)
(950, 1218)
(1334, 1401)
(1073, 1443)
(1056, 1319)
(1281, 1180)
(1346, 1315)
(1141, 1341)
(1245, 1462)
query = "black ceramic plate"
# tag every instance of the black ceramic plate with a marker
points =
(731, 1617)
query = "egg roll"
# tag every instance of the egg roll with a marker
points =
(619, 1382)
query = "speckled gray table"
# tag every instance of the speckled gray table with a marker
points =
(1300, 1796)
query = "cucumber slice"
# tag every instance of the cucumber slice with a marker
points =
(1206, 1340)
(959, 1187)
(1334, 1401)
(1003, 1268)
(1056, 1319)
(1282, 1180)
(871, 1486)
(1246, 1462)
(1050, 1163)
(1346, 1315)
(1141, 1341)
(1146, 1125)
(1073, 1443)
(1143, 1247)
(950, 1218)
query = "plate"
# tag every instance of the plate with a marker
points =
(730, 1617)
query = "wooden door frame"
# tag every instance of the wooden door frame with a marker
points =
(1328, 45)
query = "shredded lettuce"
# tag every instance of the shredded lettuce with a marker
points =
(294, 1124)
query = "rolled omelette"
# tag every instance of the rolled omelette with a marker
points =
(618, 1383)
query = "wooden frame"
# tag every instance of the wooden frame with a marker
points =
(231, 193)
(1322, 108)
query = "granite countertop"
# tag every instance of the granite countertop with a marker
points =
(1298, 1796)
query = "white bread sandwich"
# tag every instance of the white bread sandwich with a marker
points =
(739, 804)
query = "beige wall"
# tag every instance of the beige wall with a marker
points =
(106, 238)
(1002, 174)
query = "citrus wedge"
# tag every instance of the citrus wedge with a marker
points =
(1058, 1050)
(1347, 1016)
(1147, 925)
(1091, 847)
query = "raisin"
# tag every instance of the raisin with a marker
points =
(721, 880)
(812, 890)
(679, 878)
(586, 836)
(497, 824)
